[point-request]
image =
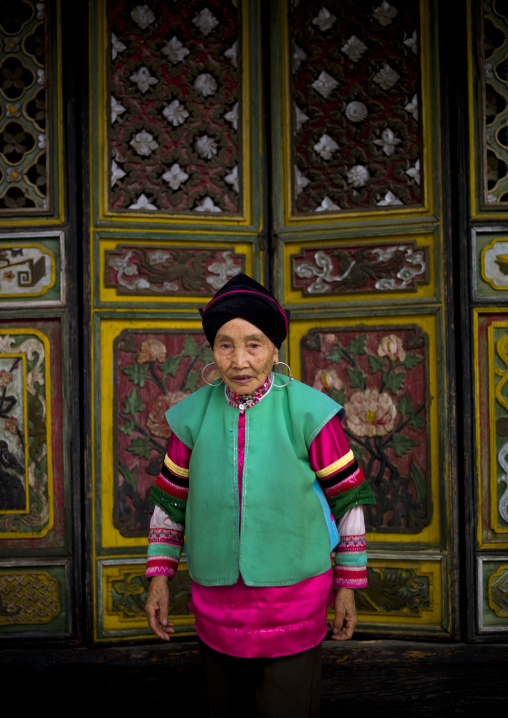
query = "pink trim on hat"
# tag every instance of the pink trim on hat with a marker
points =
(250, 291)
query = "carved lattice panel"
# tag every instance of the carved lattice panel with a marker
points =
(33, 598)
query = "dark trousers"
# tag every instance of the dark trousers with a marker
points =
(283, 687)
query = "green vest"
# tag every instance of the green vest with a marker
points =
(283, 536)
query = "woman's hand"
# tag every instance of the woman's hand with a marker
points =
(157, 606)
(345, 620)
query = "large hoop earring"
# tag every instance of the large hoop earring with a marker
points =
(210, 383)
(289, 377)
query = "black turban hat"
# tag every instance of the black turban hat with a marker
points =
(244, 298)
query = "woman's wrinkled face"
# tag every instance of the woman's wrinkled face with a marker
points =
(244, 356)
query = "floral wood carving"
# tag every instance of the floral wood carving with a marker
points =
(356, 134)
(394, 590)
(379, 375)
(176, 271)
(155, 371)
(23, 139)
(175, 111)
(366, 268)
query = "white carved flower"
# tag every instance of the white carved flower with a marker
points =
(175, 176)
(13, 174)
(356, 111)
(205, 84)
(205, 21)
(41, 77)
(158, 257)
(12, 109)
(412, 107)
(301, 118)
(143, 79)
(41, 142)
(116, 173)
(326, 147)
(206, 147)
(232, 116)
(206, 205)
(354, 48)
(116, 109)
(358, 176)
(175, 113)
(232, 178)
(327, 205)
(298, 56)
(231, 54)
(386, 77)
(388, 199)
(142, 16)
(40, 10)
(388, 141)
(391, 346)
(144, 143)
(412, 42)
(488, 71)
(414, 172)
(369, 413)
(116, 46)
(325, 84)
(301, 181)
(11, 44)
(324, 19)
(385, 13)
(142, 203)
(491, 198)
(174, 50)
(326, 379)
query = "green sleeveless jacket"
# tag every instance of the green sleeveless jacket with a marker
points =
(283, 537)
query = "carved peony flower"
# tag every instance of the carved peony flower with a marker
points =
(356, 111)
(326, 147)
(325, 84)
(369, 413)
(354, 48)
(327, 379)
(232, 178)
(142, 203)
(152, 350)
(11, 424)
(13, 174)
(206, 147)
(175, 176)
(300, 117)
(174, 50)
(144, 143)
(327, 205)
(142, 16)
(358, 176)
(205, 21)
(206, 205)
(414, 172)
(324, 19)
(385, 13)
(5, 377)
(12, 109)
(301, 182)
(388, 141)
(231, 54)
(327, 342)
(391, 346)
(298, 56)
(232, 116)
(116, 46)
(205, 84)
(143, 79)
(388, 199)
(412, 107)
(156, 421)
(175, 113)
(386, 77)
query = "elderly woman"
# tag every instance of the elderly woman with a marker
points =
(249, 464)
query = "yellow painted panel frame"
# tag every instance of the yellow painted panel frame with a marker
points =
(428, 323)
(49, 435)
(423, 239)
(427, 135)
(108, 294)
(109, 330)
(158, 218)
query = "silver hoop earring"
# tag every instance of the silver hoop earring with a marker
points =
(210, 383)
(289, 377)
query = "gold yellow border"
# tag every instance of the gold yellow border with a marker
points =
(29, 331)
(426, 113)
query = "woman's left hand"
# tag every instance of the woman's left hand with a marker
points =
(345, 620)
